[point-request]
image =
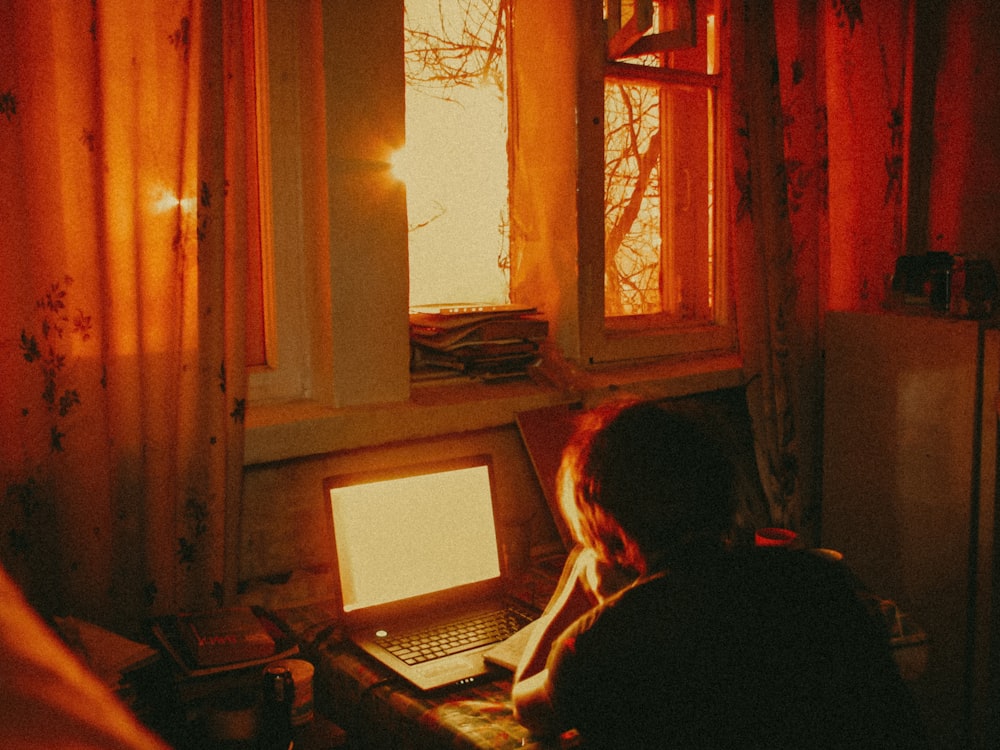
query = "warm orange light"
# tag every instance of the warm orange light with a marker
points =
(711, 44)
(567, 503)
(164, 200)
(454, 164)
(401, 165)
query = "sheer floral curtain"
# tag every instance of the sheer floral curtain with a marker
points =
(819, 121)
(121, 348)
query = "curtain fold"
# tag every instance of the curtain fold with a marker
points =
(766, 291)
(121, 354)
(817, 123)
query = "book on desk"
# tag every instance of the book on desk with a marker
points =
(207, 643)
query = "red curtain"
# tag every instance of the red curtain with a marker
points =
(820, 118)
(122, 344)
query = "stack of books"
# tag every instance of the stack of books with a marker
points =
(206, 643)
(218, 652)
(118, 662)
(484, 342)
(210, 679)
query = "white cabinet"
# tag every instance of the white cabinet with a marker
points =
(909, 493)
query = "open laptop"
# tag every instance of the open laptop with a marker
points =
(417, 549)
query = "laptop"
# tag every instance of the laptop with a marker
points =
(416, 550)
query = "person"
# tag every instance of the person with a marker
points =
(49, 698)
(664, 633)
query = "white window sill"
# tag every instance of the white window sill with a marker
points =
(277, 432)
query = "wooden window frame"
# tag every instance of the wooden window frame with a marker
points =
(604, 340)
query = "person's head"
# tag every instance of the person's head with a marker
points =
(642, 482)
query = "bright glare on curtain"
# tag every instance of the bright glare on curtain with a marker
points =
(123, 274)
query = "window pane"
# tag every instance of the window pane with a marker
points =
(631, 199)
(681, 37)
(659, 193)
(455, 161)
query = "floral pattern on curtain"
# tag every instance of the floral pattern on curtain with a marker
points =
(122, 340)
(818, 118)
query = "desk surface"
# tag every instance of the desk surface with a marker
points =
(381, 710)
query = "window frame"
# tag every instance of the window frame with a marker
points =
(299, 364)
(261, 329)
(604, 340)
(347, 383)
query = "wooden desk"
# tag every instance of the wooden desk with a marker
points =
(380, 710)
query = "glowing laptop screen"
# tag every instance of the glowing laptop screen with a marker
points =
(413, 535)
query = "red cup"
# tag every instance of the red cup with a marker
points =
(774, 537)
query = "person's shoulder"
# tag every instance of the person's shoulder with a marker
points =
(676, 600)
(803, 588)
(790, 565)
(731, 586)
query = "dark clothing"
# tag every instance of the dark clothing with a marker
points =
(756, 649)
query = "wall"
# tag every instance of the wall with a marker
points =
(964, 199)
(285, 544)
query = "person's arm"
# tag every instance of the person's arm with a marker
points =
(571, 600)
(584, 584)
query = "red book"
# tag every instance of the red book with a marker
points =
(225, 636)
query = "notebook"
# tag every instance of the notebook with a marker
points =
(417, 549)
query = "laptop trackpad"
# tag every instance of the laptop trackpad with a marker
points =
(459, 667)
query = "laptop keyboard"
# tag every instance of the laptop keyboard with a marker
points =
(454, 637)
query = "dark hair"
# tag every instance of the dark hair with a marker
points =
(643, 481)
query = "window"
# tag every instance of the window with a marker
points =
(604, 154)
(658, 191)
(663, 274)
(454, 163)
(260, 327)
(662, 282)
(291, 312)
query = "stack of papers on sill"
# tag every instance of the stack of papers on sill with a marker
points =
(485, 342)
